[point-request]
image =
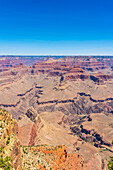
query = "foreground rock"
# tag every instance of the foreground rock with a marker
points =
(38, 157)
(49, 157)
(9, 144)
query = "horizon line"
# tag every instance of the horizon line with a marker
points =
(56, 54)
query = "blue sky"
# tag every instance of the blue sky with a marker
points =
(69, 27)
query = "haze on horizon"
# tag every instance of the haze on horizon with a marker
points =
(59, 27)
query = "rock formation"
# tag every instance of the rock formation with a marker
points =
(49, 157)
(9, 143)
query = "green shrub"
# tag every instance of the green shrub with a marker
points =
(8, 138)
(25, 151)
(7, 142)
(59, 146)
(5, 163)
(1, 149)
(110, 164)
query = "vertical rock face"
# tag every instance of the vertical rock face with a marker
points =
(9, 143)
(33, 135)
(27, 127)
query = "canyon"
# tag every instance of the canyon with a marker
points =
(60, 101)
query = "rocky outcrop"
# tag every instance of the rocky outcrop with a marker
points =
(9, 143)
(73, 76)
(50, 157)
(89, 132)
(100, 78)
(104, 77)
(88, 135)
(32, 114)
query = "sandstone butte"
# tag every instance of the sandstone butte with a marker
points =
(43, 157)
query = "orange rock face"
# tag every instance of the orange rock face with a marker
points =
(53, 158)
(67, 161)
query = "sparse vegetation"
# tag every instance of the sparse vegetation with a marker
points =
(1, 113)
(43, 156)
(1, 125)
